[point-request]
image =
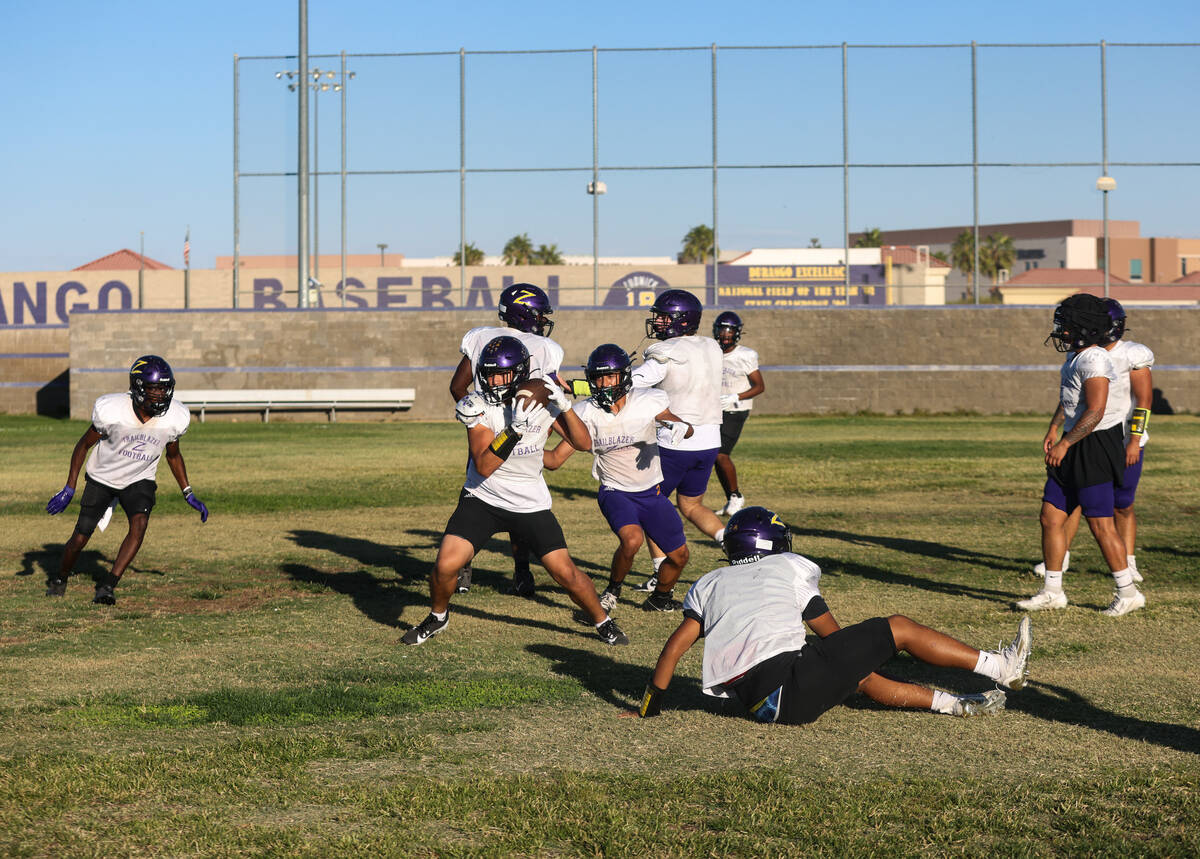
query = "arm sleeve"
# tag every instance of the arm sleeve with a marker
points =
(1140, 357)
(751, 360)
(815, 608)
(650, 373)
(98, 419)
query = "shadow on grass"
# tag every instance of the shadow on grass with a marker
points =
(621, 683)
(90, 563)
(1059, 704)
(504, 547)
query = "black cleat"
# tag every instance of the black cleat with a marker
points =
(610, 633)
(426, 629)
(662, 601)
(104, 595)
(56, 587)
(522, 584)
(464, 580)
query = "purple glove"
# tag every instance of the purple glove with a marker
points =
(196, 504)
(59, 502)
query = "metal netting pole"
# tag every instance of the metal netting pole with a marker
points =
(595, 180)
(342, 281)
(237, 222)
(302, 165)
(974, 174)
(716, 232)
(462, 177)
(846, 171)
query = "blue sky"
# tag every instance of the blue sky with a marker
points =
(119, 121)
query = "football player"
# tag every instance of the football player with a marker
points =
(505, 490)
(1131, 395)
(525, 309)
(741, 382)
(617, 423)
(133, 431)
(752, 615)
(1087, 462)
(688, 368)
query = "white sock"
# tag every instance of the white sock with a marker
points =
(719, 536)
(1054, 581)
(440, 615)
(943, 702)
(658, 562)
(1131, 562)
(601, 623)
(1124, 580)
(989, 664)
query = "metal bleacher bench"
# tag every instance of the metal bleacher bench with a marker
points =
(314, 399)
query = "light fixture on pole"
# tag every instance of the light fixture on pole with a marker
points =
(382, 247)
(1105, 184)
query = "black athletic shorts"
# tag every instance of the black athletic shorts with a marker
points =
(819, 677)
(135, 498)
(476, 521)
(731, 429)
(1098, 457)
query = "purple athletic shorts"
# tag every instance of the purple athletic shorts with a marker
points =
(686, 471)
(1123, 497)
(648, 509)
(1097, 500)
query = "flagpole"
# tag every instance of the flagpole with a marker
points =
(187, 268)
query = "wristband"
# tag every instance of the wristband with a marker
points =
(504, 442)
(1137, 423)
(187, 490)
(651, 701)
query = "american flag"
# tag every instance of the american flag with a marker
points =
(187, 247)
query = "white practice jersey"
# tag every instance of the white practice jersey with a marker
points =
(545, 356)
(1126, 355)
(736, 366)
(517, 485)
(749, 613)
(689, 370)
(624, 444)
(129, 449)
(1090, 363)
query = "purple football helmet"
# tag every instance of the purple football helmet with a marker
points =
(675, 313)
(753, 533)
(151, 384)
(525, 307)
(1081, 320)
(606, 360)
(502, 356)
(1116, 316)
(727, 328)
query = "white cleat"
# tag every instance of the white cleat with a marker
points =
(1043, 599)
(735, 503)
(981, 704)
(1137, 577)
(1124, 605)
(608, 601)
(1039, 569)
(1016, 656)
(720, 511)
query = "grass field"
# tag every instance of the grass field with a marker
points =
(248, 693)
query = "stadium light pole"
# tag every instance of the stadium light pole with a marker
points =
(1105, 184)
(382, 247)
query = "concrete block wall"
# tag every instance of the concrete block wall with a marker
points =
(33, 370)
(979, 359)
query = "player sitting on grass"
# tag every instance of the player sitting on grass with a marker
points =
(133, 430)
(618, 424)
(752, 616)
(505, 490)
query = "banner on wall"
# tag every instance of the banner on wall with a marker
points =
(778, 286)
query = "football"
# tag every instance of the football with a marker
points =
(538, 389)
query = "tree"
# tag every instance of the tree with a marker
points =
(814, 243)
(871, 238)
(940, 255)
(518, 250)
(546, 255)
(474, 255)
(697, 245)
(996, 254)
(962, 255)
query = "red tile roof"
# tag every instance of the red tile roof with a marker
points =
(906, 254)
(1062, 277)
(122, 260)
(1191, 277)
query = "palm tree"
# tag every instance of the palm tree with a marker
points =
(962, 255)
(697, 245)
(871, 238)
(940, 255)
(546, 255)
(474, 255)
(518, 250)
(814, 243)
(996, 254)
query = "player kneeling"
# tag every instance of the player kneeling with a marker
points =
(752, 615)
(618, 423)
(505, 490)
